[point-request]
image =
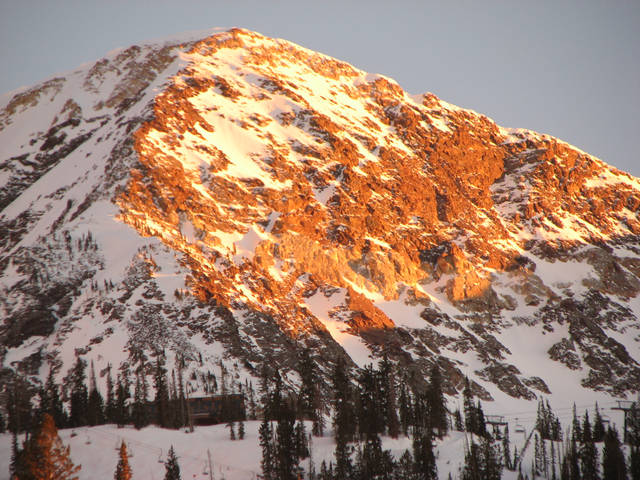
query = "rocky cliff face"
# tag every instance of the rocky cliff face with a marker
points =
(233, 199)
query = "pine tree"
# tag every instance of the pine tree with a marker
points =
(286, 455)
(472, 469)
(45, 457)
(95, 403)
(506, 448)
(370, 413)
(491, 468)
(123, 470)
(404, 409)
(122, 395)
(79, 394)
(634, 463)
(18, 405)
(174, 403)
(588, 453)
(110, 406)
(50, 401)
(573, 460)
(470, 420)
(457, 421)
(232, 430)
(537, 456)
(172, 469)
(553, 461)
(405, 469)
(268, 462)
(388, 397)
(598, 427)
(301, 444)
(481, 426)
(576, 429)
(373, 463)
(140, 410)
(436, 402)
(343, 419)
(309, 399)
(613, 462)
(633, 425)
(162, 392)
(15, 453)
(423, 456)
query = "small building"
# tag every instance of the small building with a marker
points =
(216, 409)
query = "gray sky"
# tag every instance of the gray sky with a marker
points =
(567, 68)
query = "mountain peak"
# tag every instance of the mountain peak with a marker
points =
(233, 199)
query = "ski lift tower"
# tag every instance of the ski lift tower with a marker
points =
(496, 421)
(625, 406)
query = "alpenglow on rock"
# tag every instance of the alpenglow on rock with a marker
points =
(233, 199)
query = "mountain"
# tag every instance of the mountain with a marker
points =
(233, 199)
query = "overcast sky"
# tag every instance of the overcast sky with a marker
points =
(567, 68)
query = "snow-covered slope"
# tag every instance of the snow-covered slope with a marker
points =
(233, 199)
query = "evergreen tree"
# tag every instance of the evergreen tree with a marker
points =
(15, 453)
(286, 455)
(405, 468)
(634, 463)
(50, 401)
(633, 425)
(598, 427)
(95, 403)
(404, 408)
(79, 394)
(18, 405)
(268, 462)
(553, 461)
(174, 403)
(122, 395)
(537, 456)
(588, 452)
(472, 469)
(172, 469)
(481, 426)
(45, 457)
(576, 429)
(301, 444)
(573, 459)
(470, 420)
(123, 470)
(457, 421)
(388, 397)
(423, 456)
(309, 401)
(110, 406)
(343, 419)
(613, 462)
(491, 466)
(474, 421)
(436, 402)
(506, 448)
(373, 462)
(232, 430)
(140, 411)
(369, 408)
(162, 392)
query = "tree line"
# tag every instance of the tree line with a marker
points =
(361, 405)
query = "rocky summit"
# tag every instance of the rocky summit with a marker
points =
(233, 199)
